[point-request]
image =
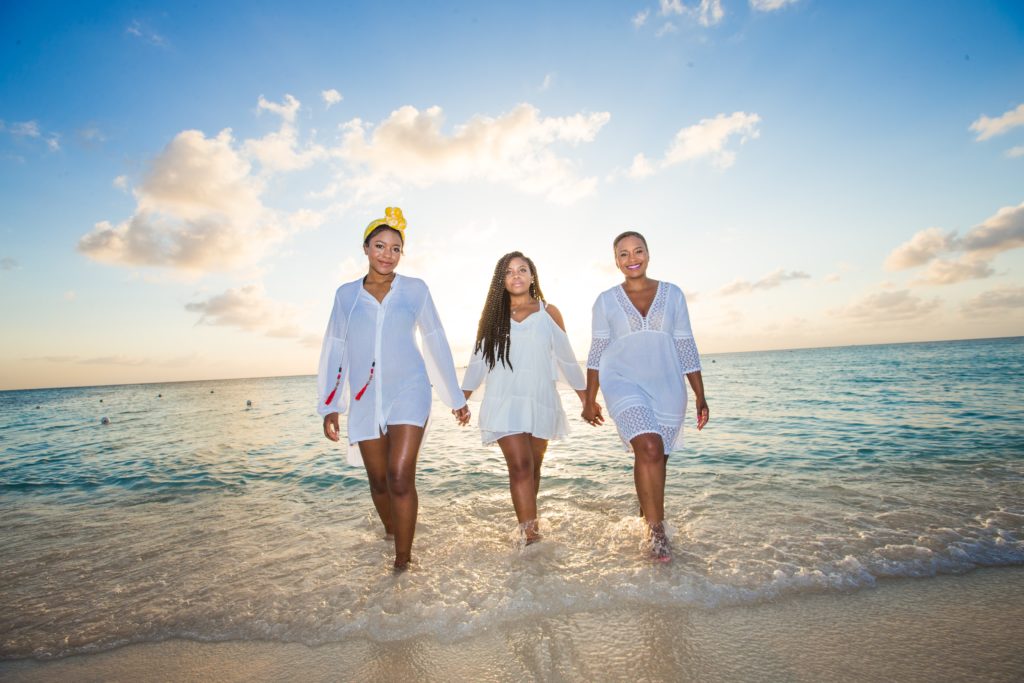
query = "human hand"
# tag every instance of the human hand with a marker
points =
(462, 415)
(592, 414)
(702, 414)
(331, 429)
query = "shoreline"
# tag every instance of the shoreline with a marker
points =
(945, 628)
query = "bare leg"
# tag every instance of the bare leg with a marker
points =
(523, 456)
(375, 460)
(404, 449)
(649, 475)
(539, 447)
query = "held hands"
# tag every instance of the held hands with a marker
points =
(331, 429)
(462, 415)
(592, 414)
(702, 414)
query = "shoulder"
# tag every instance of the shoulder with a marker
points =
(554, 314)
(606, 295)
(348, 289)
(673, 290)
(413, 284)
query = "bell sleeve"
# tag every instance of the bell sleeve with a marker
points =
(437, 355)
(682, 336)
(332, 376)
(476, 372)
(565, 359)
(600, 337)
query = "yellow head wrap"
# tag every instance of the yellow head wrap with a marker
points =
(393, 218)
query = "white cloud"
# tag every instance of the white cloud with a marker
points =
(922, 247)
(331, 97)
(667, 27)
(247, 308)
(1015, 152)
(1003, 231)
(549, 79)
(7, 263)
(889, 306)
(770, 281)
(279, 151)
(141, 31)
(707, 139)
(987, 127)
(640, 18)
(198, 208)
(120, 182)
(770, 5)
(70, 295)
(947, 272)
(1001, 301)
(24, 129)
(708, 12)
(516, 149)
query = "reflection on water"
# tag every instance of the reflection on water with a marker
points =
(194, 515)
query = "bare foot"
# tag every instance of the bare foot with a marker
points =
(402, 562)
(661, 549)
(530, 530)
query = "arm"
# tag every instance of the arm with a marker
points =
(565, 358)
(437, 356)
(600, 339)
(689, 359)
(331, 376)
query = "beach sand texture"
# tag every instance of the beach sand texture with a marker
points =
(964, 628)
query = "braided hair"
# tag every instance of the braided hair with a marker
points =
(492, 333)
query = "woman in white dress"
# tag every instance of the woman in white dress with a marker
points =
(521, 349)
(370, 349)
(642, 348)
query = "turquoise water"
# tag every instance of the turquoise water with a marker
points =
(191, 515)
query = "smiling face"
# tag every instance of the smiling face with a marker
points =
(384, 251)
(518, 277)
(631, 257)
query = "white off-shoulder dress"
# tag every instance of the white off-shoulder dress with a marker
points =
(524, 398)
(641, 362)
(363, 335)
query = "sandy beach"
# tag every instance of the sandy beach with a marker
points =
(949, 628)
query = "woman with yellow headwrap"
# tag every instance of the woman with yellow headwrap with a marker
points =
(370, 351)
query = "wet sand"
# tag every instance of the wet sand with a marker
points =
(951, 628)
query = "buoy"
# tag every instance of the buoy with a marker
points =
(159, 395)
(211, 391)
(104, 420)
(248, 404)
(101, 400)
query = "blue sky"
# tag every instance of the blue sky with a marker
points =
(184, 187)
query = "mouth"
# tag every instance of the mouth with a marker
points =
(635, 266)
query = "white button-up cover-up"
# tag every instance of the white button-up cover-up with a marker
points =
(641, 361)
(364, 333)
(524, 399)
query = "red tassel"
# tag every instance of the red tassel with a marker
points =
(330, 396)
(363, 390)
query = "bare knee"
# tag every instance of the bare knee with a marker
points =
(378, 485)
(520, 470)
(649, 451)
(401, 483)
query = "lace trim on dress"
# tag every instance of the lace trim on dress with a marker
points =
(636, 321)
(640, 420)
(655, 319)
(686, 350)
(597, 349)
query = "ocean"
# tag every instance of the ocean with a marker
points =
(217, 511)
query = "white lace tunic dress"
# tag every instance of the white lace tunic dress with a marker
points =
(525, 399)
(362, 334)
(641, 362)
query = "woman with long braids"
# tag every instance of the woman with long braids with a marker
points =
(642, 348)
(370, 349)
(521, 349)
